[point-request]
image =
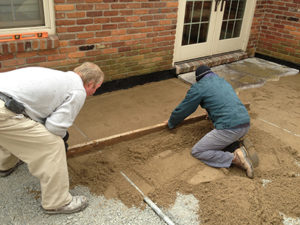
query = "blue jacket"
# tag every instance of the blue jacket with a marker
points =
(219, 99)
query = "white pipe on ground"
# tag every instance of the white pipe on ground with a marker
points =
(150, 203)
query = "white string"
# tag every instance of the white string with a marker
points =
(274, 125)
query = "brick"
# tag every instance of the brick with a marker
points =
(57, 57)
(109, 50)
(126, 12)
(85, 35)
(75, 1)
(44, 53)
(125, 37)
(118, 32)
(117, 19)
(65, 22)
(110, 13)
(12, 47)
(118, 44)
(76, 15)
(93, 1)
(118, 6)
(93, 27)
(64, 7)
(172, 4)
(67, 49)
(60, 30)
(84, 6)
(63, 43)
(94, 40)
(146, 18)
(103, 33)
(14, 62)
(20, 47)
(165, 22)
(85, 21)
(139, 24)
(111, 39)
(133, 5)
(75, 29)
(124, 25)
(66, 36)
(36, 59)
(109, 26)
(101, 6)
(132, 18)
(141, 12)
(60, 15)
(94, 14)
(76, 54)
(101, 20)
(6, 57)
(77, 42)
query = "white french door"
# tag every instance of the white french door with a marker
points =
(208, 27)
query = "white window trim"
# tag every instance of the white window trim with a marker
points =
(49, 22)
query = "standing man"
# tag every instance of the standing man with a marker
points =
(228, 114)
(37, 106)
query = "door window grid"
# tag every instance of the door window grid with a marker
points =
(232, 19)
(196, 22)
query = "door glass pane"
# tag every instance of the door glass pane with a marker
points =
(186, 33)
(196, 21)
(188, 12)
(194, 34)
(21, 13)
(232, 19)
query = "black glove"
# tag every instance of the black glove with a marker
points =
(65, 138)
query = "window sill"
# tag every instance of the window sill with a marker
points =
(29, 45)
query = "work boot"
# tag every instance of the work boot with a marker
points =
(242, 160)
(77, 204)
(5, 173)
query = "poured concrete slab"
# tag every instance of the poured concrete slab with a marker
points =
(247, 73)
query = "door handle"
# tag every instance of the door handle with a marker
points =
(216, 6)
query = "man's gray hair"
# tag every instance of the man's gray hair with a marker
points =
(89, 72)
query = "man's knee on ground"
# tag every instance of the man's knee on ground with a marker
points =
(197, 153)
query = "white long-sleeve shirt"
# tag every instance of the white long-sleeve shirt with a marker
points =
(51, 97)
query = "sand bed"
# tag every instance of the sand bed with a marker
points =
(161, 165)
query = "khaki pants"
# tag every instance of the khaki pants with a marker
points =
(42, 151)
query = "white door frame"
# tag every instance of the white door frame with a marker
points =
(210, 47)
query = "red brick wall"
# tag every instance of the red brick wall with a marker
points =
(124, 37)
(276, 30)
(135, 37)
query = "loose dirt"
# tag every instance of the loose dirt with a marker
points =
(160, 164)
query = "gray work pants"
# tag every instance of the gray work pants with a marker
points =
(209, 148)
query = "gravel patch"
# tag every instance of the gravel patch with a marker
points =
(20, 205)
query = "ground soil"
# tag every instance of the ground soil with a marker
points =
(160, 164)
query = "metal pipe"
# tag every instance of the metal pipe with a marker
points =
(150, 203)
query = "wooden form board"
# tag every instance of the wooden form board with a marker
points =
(98, 143)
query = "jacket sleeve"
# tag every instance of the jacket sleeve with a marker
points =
(63, 117)
(189, 105)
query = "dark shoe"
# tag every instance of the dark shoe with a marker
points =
(242, 160)
(77, 204)
(5, 173)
